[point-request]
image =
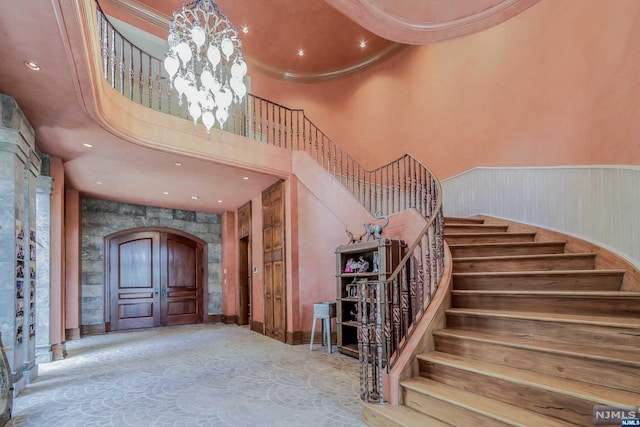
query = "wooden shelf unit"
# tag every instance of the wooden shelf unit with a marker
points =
(389, 253)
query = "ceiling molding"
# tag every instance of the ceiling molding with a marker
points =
(322, 76)
(160, 22)
(141, 11)
(375, 16)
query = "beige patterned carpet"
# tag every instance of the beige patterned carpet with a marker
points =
(194, 375)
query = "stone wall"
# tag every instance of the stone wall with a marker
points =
(19, 169)
(101, 218)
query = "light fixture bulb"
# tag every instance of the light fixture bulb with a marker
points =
(198, 36)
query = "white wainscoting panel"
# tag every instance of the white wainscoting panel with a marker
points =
(600, 204)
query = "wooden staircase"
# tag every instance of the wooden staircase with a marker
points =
(536, 336)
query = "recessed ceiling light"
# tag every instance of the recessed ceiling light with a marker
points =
(178, 164)
(165, 192)
(245, 29)
(301, 52)
(32, 65)
(219, 201)
(99, 182)
(363, 43)
(88, 145)
(195, 197)
(245, 178)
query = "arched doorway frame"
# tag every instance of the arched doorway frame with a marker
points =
(159, 229)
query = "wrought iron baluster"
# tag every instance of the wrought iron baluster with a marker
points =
(113, 58)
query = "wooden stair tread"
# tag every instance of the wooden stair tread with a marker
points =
(381, 415)
(458, 220)
(489, 234)
(529, 293)
(611, 321)
(498, 274)
(526, 257)
(478, 226)
(577, 389)
(505, 244)
(483, 405)
(594, 353)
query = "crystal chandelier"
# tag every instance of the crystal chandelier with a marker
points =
(204, 61)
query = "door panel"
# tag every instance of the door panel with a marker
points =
(133, 280)
(181, 299)
(274, 268)
(155, 279)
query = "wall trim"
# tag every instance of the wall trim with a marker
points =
(229, 319)
(58, 351)
(257, 327)
(97, 329)
(72, 334)
(214, 318)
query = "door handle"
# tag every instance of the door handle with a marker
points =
(164, 292)
(156, 292)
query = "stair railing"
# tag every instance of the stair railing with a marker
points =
(387, 309)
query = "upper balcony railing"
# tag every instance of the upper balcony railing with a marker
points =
(388, 309)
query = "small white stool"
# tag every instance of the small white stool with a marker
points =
(324, 311)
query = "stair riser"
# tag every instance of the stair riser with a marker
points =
(614, 374)
(455, 220)
(543, 282)
(581, 305)
(474, 228)
(552, 248)
(545, 402)
(495, 238)
(449, 412)
(568, 333)
(523, 264)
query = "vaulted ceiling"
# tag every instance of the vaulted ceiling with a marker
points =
(329, 32)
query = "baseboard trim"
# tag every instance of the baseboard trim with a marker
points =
(305, 337)
(98, 329)
(257, 327)
(214, 318)
(72, 334)
(58, 351)
(229, 320)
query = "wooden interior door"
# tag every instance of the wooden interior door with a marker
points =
(274, 271)
(155, 279)
(134, 280)
(244, 280)
(244, 264)
(181, 282)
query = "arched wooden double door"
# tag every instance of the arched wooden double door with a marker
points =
(155, 278)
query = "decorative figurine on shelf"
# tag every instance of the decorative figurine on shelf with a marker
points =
(349, 266)
(375, 230)
(361, 266)
(353, 237)
(375, 262)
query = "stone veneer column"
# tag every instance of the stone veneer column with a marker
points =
(43, 268)
(19, 168)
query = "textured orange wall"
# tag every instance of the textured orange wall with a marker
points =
(73, 244)
(229, 264)
(57, 247)
(555, 85)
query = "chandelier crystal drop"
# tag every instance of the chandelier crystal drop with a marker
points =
(204, 62)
